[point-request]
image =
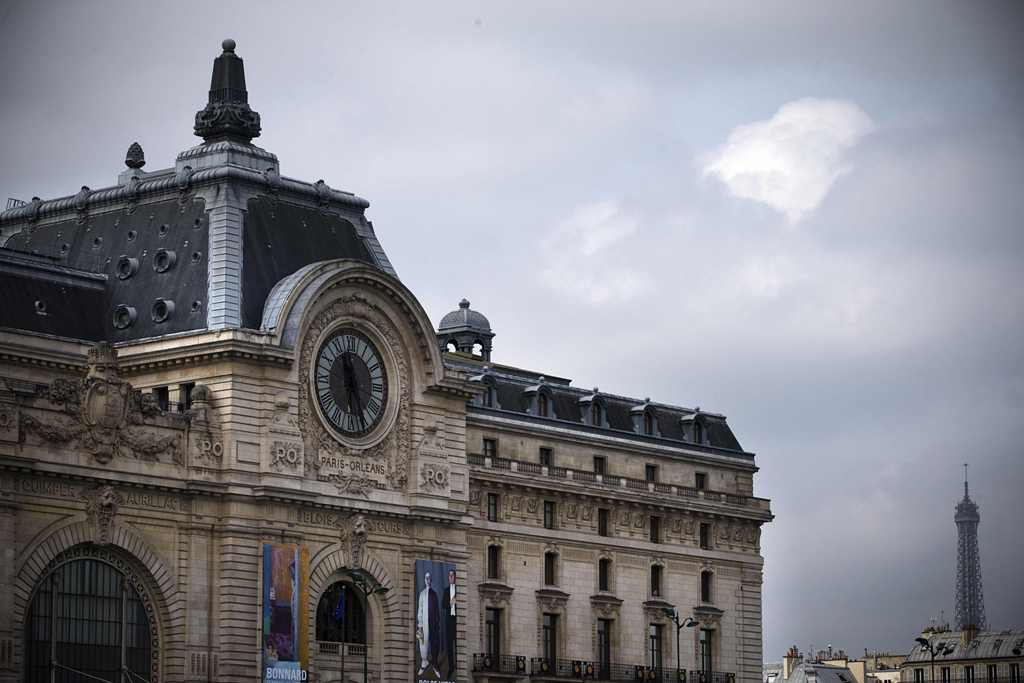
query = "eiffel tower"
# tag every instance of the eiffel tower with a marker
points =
(970, 602)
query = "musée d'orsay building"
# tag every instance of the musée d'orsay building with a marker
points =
(233, 447)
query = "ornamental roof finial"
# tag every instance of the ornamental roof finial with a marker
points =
(227, 115)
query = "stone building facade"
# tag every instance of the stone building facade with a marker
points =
(205, 365)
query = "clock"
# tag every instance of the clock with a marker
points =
(350, 382)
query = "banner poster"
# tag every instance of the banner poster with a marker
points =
(285, 648)
(436, 621)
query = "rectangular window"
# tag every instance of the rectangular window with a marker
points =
(493, 562)
(705, 653)
(701, 481)
(550, 577)
(968, 674)
(490, 448)
(602, 521)
(549, 514)
(705, 536)
(163, 398)
(545, 456)
(655, 529)
(603, 570)
(604, 646)
(655, 581)
(1015, 672)
(654, 646)
(492, 639)
(600, 463)
(549, 637)
(991, 669)
(705, 586)
(492, 507)
(185, 394)
(918, 675)
(945, 674)
(651, 472)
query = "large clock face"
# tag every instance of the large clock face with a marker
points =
(351, 382)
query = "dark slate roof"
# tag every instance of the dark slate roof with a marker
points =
(41, 294)
(984, 645)
(464, 318)
(154, 251)
(820, 673)
(513, 385)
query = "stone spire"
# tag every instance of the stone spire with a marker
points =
(227, 115)
(970, 601)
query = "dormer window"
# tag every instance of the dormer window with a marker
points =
(648, 423)
(698, 432)
(542, 404)
(645, 419)
(595, 414)
(593, 411)
(488, 398)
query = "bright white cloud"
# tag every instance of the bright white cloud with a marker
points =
(790, 161)
(579, 263)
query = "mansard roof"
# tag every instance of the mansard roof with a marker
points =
(212, 235)
(513, 385)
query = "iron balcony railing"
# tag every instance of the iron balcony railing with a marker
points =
(612, 481)
(908, 677)
(502, 664)
(581, 669)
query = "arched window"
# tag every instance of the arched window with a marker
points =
(698, 432)
(595, 414)
(648, 423)
(92, 602)
(542, 404)
(341, 615)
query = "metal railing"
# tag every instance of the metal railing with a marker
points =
(615, 482)
(503, 664)
(581, 669)
(335, 649)
(979, 677)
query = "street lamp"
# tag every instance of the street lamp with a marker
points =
(688, 622)
(365, 582)
(941, 650)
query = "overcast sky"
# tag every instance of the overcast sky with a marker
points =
(806, 216)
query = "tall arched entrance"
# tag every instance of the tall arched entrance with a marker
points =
(88, 621)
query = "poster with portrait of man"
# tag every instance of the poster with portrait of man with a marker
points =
(436, 625)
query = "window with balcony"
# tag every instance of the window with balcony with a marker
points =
(705, 536)
(492, 507)
(655, 646)
(655, 529)
(602, 521)
(701, 481)
(550, 569)
(545, 456)
(656, 580)
(490, 448)
(163, 398)
(492, 635)
(604, 646)
(604, 570)
(706, 650)
(494, 562)
(705, 586)
(549, 637)
(651, 473)
(549, 514)
(185, 395)
(600, 464)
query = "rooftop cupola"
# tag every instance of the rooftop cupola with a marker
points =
(227, 115)
(465, 329)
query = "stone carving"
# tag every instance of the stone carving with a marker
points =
(286, 456)
(434, 477)
(205, 439)
(587, 513)
(723, 531)
(101, 505)
(323, 193)
(8, 416)
(227, 114)
(183, 181)
(517, 503)
(104, 414)
(625, 518)
(281, 421)
(354, 531)
(639, 521)
(571, 510)
(474, 496)
(737, 532)
(134, 192)
(495, 594)
(691, 526)
(82, 204)
(272, 178)
(135, 158)
(677, 525)
(432, 443)
(393, 451)
(532, 505)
